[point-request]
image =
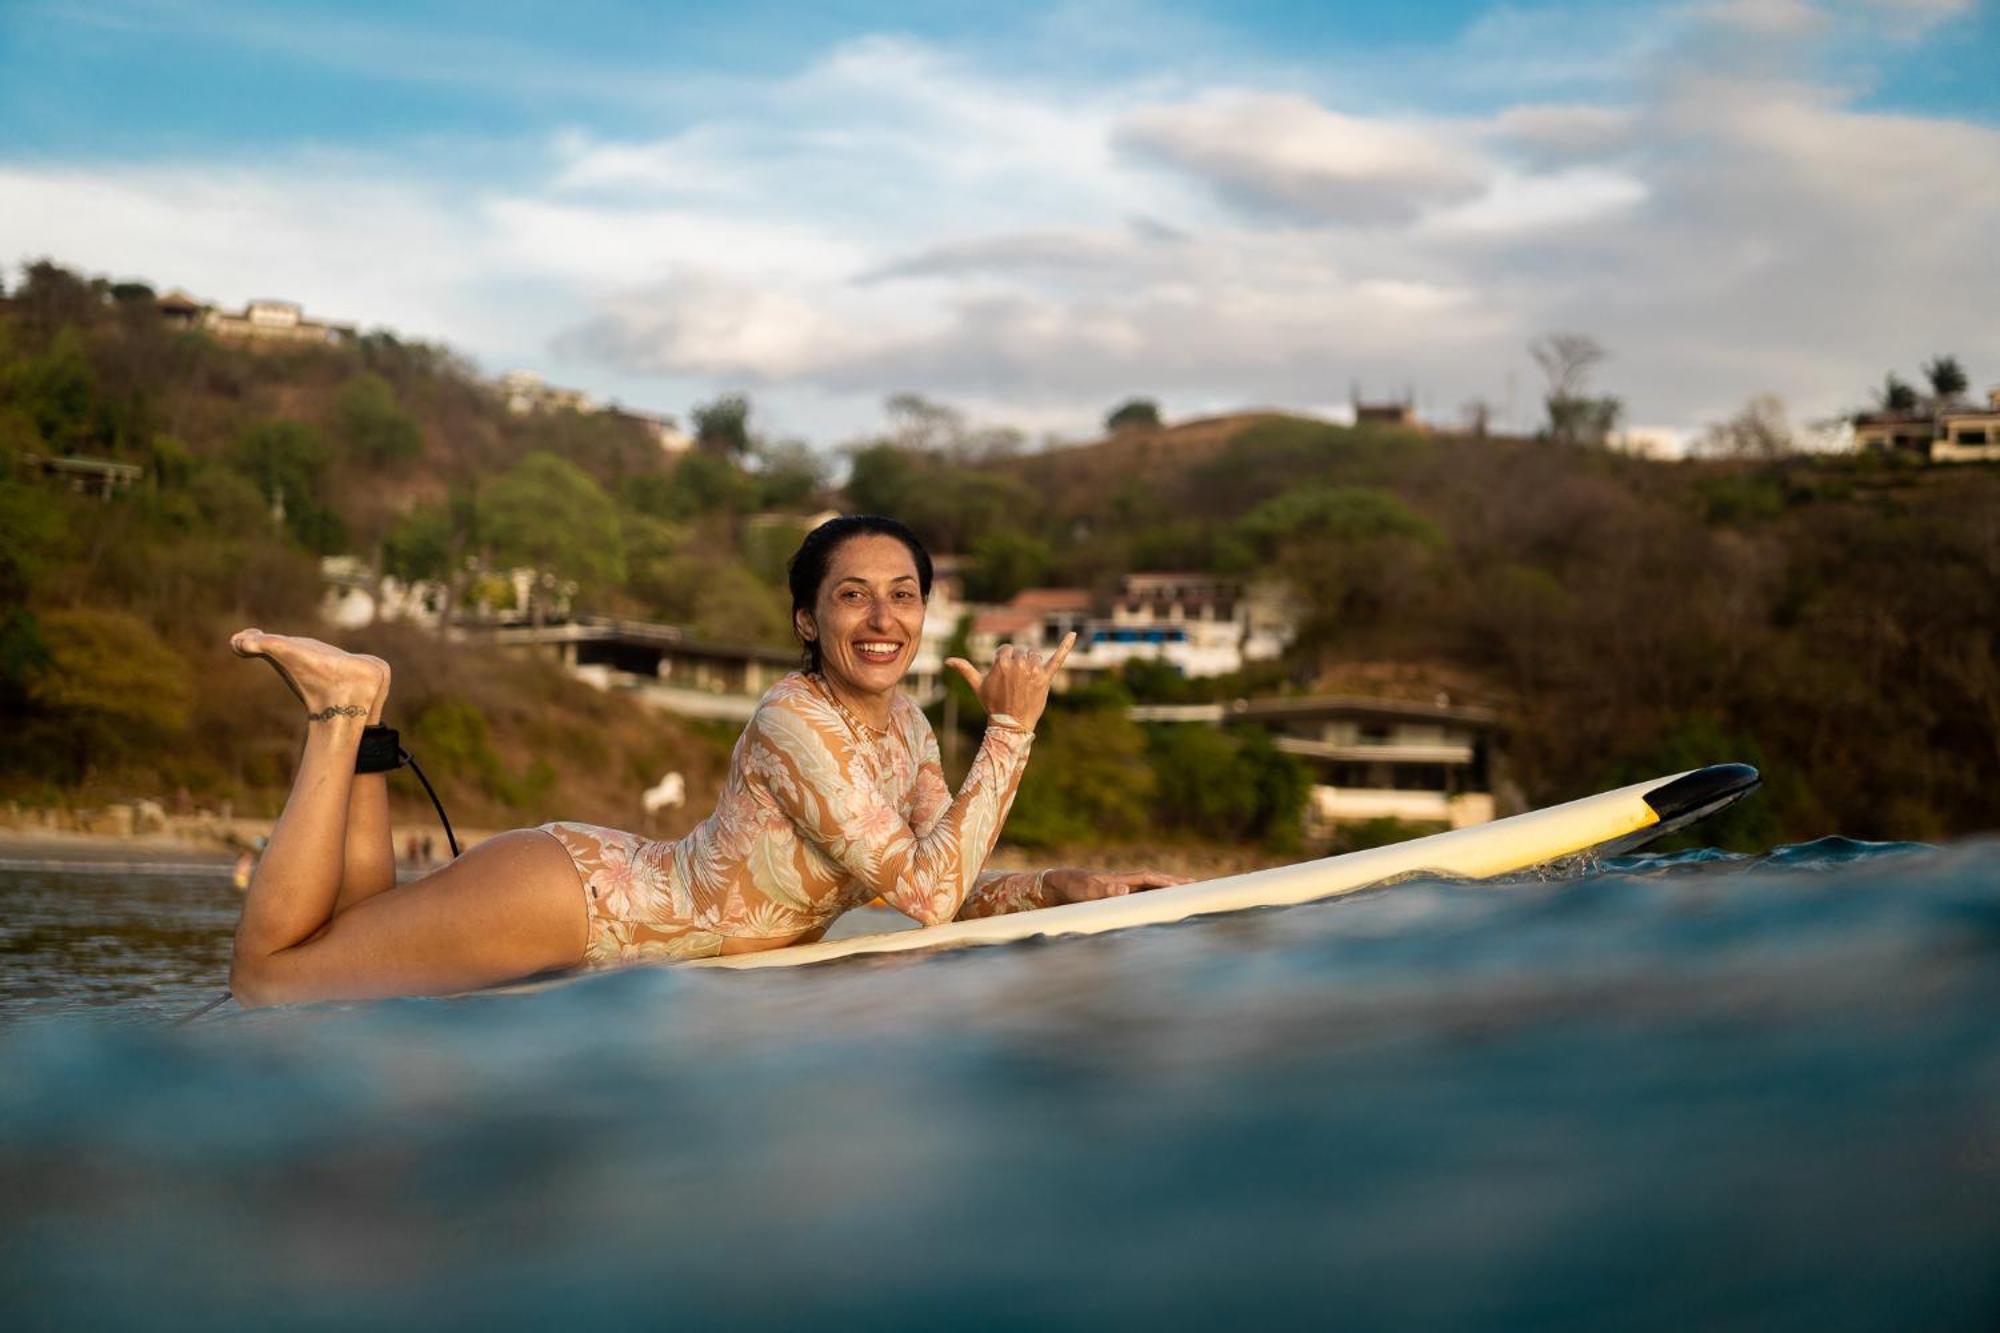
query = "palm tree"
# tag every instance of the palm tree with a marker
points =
(1947, 378)
(1896, 395)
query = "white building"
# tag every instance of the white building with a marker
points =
(1423, 764)
(269, 322)
(1197, 623)
(351, 598)
(526, 392)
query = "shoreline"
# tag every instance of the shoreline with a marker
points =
(202, 840)
(193, 842)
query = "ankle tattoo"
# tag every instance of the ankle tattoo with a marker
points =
(332, 711)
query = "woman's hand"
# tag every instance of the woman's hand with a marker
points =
(1082, 886)
(1017, 684)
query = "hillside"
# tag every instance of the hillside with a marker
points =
(1833, 620)
(252, 464)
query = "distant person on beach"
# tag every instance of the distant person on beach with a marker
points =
(834, 796)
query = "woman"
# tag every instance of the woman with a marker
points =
(834, 796)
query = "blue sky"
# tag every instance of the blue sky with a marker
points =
(1033, 211)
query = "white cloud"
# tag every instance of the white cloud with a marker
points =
(1562, 132)
(705, 324)
(898, 217)
(1288, 154)
(1516, 202)
(352, 246)
(1771, 18)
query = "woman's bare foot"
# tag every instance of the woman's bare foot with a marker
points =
(328, 681)
(381, 704)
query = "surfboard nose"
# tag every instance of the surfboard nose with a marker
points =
(1692, 795)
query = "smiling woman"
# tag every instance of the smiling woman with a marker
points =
(835, 796)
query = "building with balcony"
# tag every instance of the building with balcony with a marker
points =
(266, 323)
(1424, 764)
(1946, 433)
(1197, 623)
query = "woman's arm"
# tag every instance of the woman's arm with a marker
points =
(805, 759)
(1001, 891)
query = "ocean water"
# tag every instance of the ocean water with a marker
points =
(1691, 1091)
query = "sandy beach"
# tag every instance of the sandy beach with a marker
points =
(185, 842)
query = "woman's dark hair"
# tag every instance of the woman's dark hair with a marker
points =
(808, 564)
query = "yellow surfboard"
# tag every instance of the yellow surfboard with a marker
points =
(1605, 824)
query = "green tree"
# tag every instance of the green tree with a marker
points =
(286, 461)
(710, 484)
(455, 741)
(51, 297)
(371, 426)
(1332, 514)
(1947, 378)
(1004, 562)
(111, 685)
(880, 478)
(30, 531)
(546, 513)
(1231, 785)
(1198, 787)
(1575, 417)
(57, 392)
(1896, 395)
(723, 426)
(789, 475)
(1134, 414)
(424, 544)
(951, 508)
(1352, 554)
(1090, 782)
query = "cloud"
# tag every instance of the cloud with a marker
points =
(1562, 133)
(896, 215)
(352, 245)
(1529, 202)
(1770, 18)
(1288, 155)
(1146, 250)
(706, 324)
(1917, 17)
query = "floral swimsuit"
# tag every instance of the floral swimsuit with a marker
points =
(819, 813)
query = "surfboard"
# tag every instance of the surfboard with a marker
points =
(1604, 825)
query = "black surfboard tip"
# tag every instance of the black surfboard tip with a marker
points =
(1704, 791)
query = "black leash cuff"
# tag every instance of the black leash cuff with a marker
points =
(381, 751)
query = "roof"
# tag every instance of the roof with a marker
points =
(1041, 601)
(1328, 706)
(1005, 620)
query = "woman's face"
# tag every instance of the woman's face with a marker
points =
(869, 616)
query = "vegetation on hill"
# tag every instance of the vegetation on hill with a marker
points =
(1833, 620)
(114, 612)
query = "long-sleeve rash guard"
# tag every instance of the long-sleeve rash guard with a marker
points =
(819, 813)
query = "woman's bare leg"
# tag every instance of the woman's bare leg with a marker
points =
(511, 910)
(369, 863)
(292, 893)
